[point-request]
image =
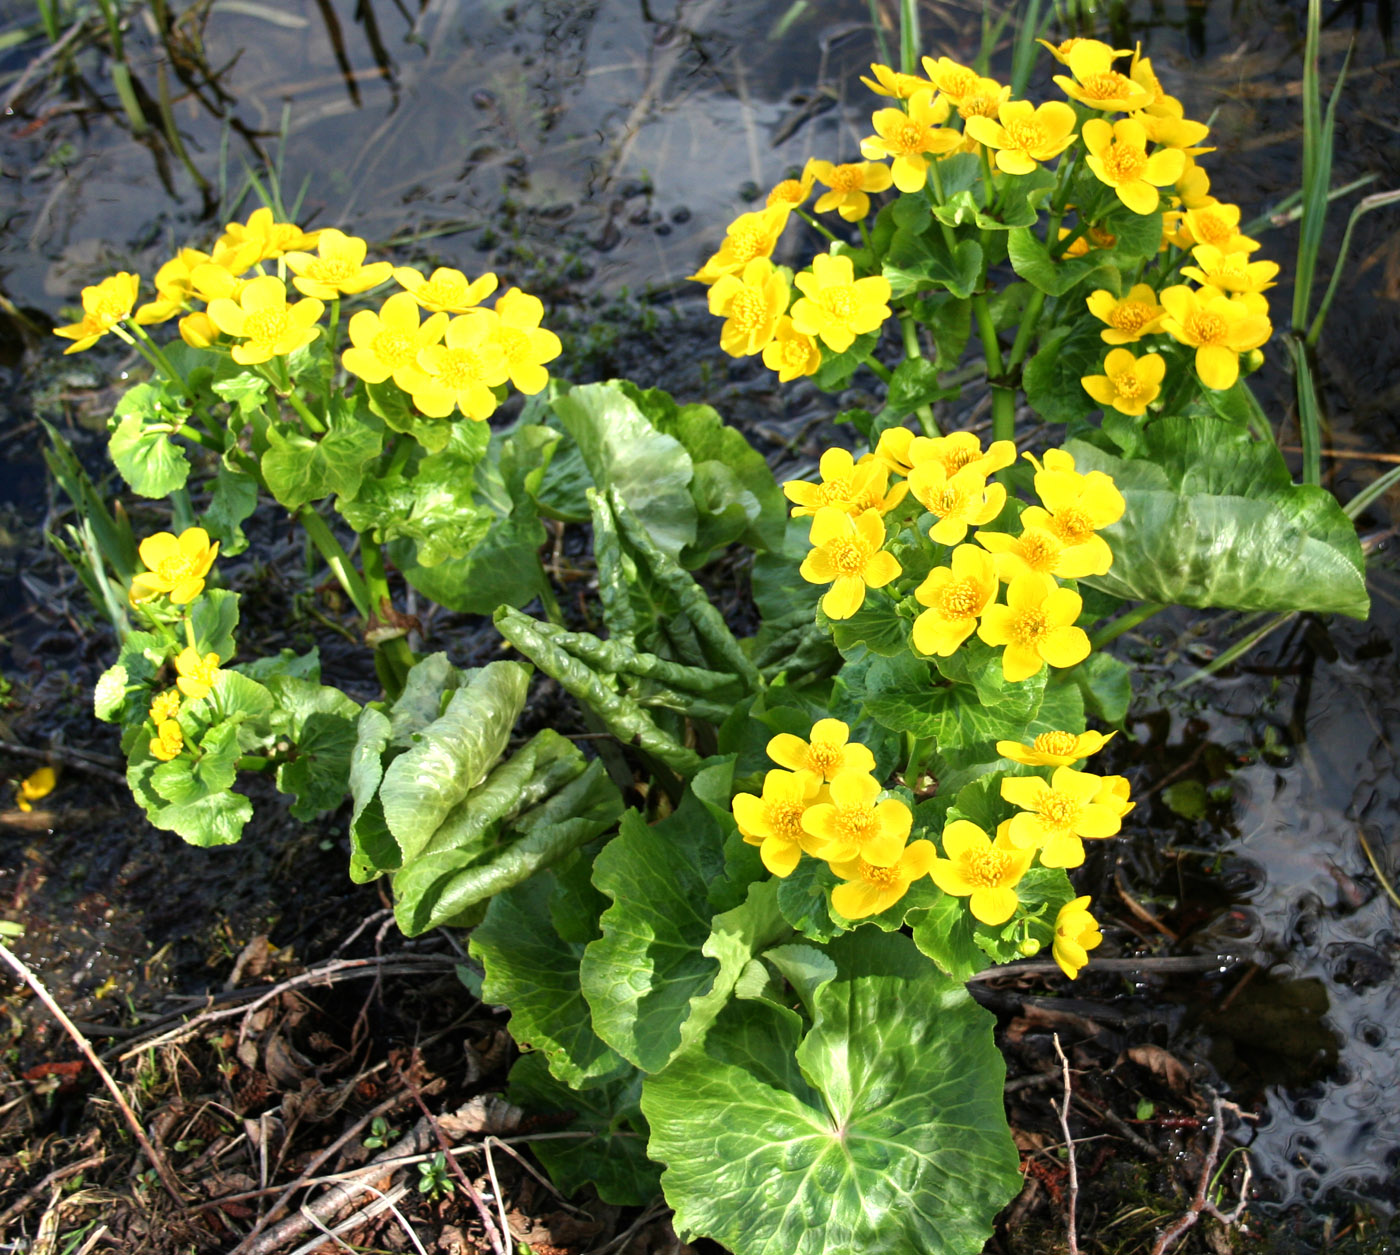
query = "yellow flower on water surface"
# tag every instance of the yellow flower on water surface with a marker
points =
(836, 306)
(105, 304)
(955, 595)
(1076, 506)
(751, 302)
(870, 888)
(845, 486)
(460, 373)
(1076, 933)
(889, 82)
(790, 194)
(1097, 84)
(982, 870)
(526, 344)
(1057, 813)
(1130, 317)
(791, 353)
(261, 238)
(827, 753)
(960, 501)
(175, 565)
(387, 343)
(263, 320)
(1230, 272)
(168, 741)
(853, 825)
(1035, 549)
(1024, 134)
(773, 822)
(1056, 749)
(850, 186)
(195, 676)
(445, 291)
(1129, 384)
(911, 139)
(165, 706)
(1036, 625)
(173, 287)
(1118, 157)
(958, 451)
(1214, 223)
(337, 268)
(38, 784)
(847, 553)
(749, 236)
(1217, 328)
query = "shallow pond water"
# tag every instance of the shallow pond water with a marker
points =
(594, 152)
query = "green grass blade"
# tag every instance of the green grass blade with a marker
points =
(1309, 412)
(1371, 492)
(909, 42)
(1023, 52)
(1377, 201)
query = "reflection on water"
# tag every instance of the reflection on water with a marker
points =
(609, 142)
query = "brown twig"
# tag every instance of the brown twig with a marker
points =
(167, 1178)
(77, 759)
(1200, 1204)
(61, 1173)
(1062, 1109)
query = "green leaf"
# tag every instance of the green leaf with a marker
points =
(298, 470)
(944, 932)
(148, 459)
(915, 383)
(452, 754)
(1213, 520)
(535, 972)
(877, 625)
(425, 692)
(245, 390)
(185, 779)
(804, 898)
(623, 450)
(214, 616)
(305, 666)
(1136, 236)
(1106, 685)
(373, 850)
(1052, 376)
(234, 499)
(1032, 261)
(320, 722)
(215, 820)
(920, 261)
(881, 1132)
(837, 368)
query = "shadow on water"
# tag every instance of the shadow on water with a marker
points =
(593, 152)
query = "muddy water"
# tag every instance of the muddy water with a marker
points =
(595, 150)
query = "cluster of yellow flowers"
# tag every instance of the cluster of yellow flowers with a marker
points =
(451, 360)
(952, 109)
(948, 476)
(824, 801)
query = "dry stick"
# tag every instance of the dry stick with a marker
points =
(371, 1211)
(1200, 1203)
(54, 1177)
(167, 1178)
(1063, 1111)
(70, 758)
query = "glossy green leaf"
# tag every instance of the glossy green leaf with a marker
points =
(234, 498)
(919, 261)
(944, 932)
(298, 469)
(1054, 276)
(373, 850)
(1106, 686)
(149, 461)
(1052, 376)
(881, 1132)
(877, 625)
(319, 721)
(214, 618)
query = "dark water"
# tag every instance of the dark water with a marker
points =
(594, 152)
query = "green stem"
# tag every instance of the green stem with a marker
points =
(253, 762)
(1125, 623)
(313, 424)
(915, 759)
(910, 329)
(1026, 330)
(880, 370)
(815, 225)
(393, 658)
(333, 325)
(1003, 397)
(336, 558)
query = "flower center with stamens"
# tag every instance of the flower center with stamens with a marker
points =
(1129, 386)
(1061, 744)
(907, 139)
(825, 758)
(1025, 133)
(785, 818)
(959, 457)
(946, 501)
(1209, 228)
(331, 270)
(746, 243)
(459, 369)
(847, 178)
(1131, 316)
(1206, 327)
(1124, 163)
(839, 301)
(393, 348)
(748, 310)
(1058, 810)
(174, 569)
(959, 82)
(1106, 85)
(1027, 627)
(985, 868)
(959, 599)
(858, 824)
(848, 556)
(1038, 550)
(442, 291)
(266, 326)
(1073, 525)
(980, 107)
(788, 192)
(881, 876)
(795, 353)
(515, 344)
(835, 491)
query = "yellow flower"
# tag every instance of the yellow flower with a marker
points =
(165, 706)
(1076, 933)
(829, 752)
(773, 822)
(1035, 549)
(105, 304)
(791, 193)
(1142, 73)
(892, 450)
(195, 676)
(848, 554)
(1216, 327)
(958, 82)
(1076, 506)
(1130, 317)
(174, 565)
(1213, 223)
(526, 344)
(445, 291)
(1129, 384)
(1061, 50)
(890, 82)
(850, 185)
(1176, 132)
(198, 330)
(1230, 272)
(960, 501)
(1056, 814)
(751, 306)
(1113, 793)
(173, 287)
(1193, 187)
(168, 741)
(38, 784)
(911, 139)
(1056, 749)
(985, 871)
(959, 451)
(870, 888)
(1118, 157)
(835, 305)
(338, 267)
(263, 320)
(955, 595)
(749, 236)
(388, 342)
(1093, 238)
(854, 825)
(983, 104)
(791, 353)
(460, 374)
(209, 281)
(1025, 134)
(846, 486)
(262, 238)
(1097, 84)
(1036, 625)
